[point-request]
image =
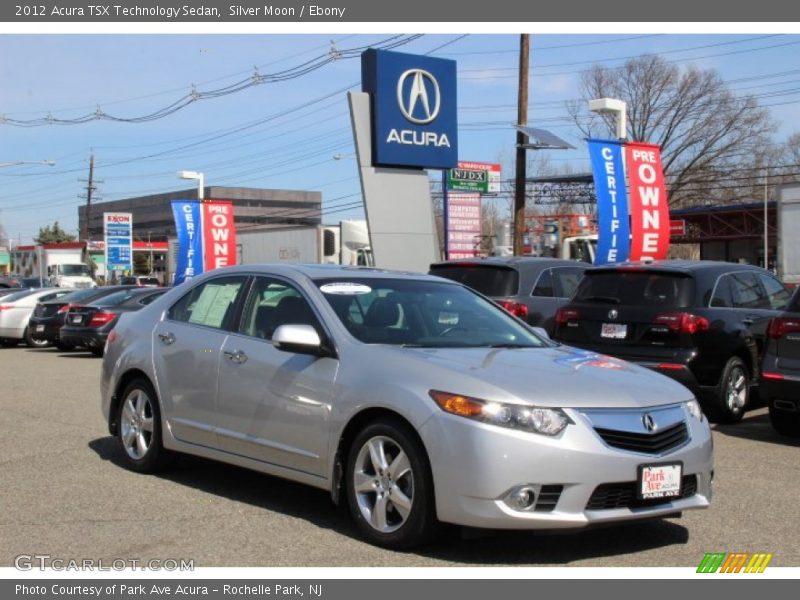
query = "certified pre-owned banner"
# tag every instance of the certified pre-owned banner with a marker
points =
(649, 208)
(219, 234)
(190, 240)
(613, 236)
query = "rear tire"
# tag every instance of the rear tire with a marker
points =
(389, 486)
(784, 422)
(139, 428)
(34, 343)
(732, 396)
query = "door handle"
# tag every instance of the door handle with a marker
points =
(236, 356)
(749, 320)
(167, 338)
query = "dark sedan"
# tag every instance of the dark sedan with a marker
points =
(90, 325)
(48, 317)
(780, 374)
(530, 288)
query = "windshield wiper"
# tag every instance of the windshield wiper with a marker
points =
(510, 345)
(607, 299)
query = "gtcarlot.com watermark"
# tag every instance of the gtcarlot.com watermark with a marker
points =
(30, 562)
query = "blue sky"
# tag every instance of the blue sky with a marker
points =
(284, 135)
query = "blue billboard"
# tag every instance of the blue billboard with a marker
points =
(413, 102)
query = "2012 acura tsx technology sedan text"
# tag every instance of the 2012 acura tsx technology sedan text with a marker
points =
(412, 399)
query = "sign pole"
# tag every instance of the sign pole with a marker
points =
(445, 216)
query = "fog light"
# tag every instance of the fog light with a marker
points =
(522, 498)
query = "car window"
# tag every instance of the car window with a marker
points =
(489, 280)
(746, 291)
(636, 288)
(777, 295)
(210, 303)
(421, 313)
(114, 299)
(722, 293)
(544, 285)
(272, 303)
(53, 295)
(566, 280)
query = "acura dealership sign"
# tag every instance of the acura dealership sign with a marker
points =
(413, 102)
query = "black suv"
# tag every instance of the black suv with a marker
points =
(780, 371)
(702, 323)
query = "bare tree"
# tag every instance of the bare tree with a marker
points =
(706, 132)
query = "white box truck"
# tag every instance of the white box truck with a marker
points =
(57, 265)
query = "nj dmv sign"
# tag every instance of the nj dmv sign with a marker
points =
(413, 105)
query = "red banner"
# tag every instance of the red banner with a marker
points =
(648, 198)
(219, 234)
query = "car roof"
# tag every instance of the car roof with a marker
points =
(684, 267)
(322, 271)
(512, 261)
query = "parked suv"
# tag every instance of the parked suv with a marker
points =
(780, 373)
(702, 323)
(530, 288)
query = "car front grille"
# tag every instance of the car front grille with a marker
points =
(548, 498)
(623, 495)
(648, 443)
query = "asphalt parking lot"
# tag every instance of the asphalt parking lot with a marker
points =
(64, 493)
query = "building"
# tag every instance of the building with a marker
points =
(254, 208)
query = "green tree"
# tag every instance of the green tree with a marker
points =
(53, 234)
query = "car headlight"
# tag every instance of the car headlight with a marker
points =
(536, 419)
(693, 406)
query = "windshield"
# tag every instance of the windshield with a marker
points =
(424, 314)
(75, 270)
(490, 280)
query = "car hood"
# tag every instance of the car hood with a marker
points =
(552, 376)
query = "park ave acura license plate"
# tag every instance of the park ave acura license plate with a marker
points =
(614, 331)
(660, 481)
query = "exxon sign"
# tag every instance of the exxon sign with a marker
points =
(413, 101)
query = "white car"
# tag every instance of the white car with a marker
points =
(16, 310)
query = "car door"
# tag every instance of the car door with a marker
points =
(274, 406)
(186, 354)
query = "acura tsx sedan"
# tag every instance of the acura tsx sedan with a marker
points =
(413, 400)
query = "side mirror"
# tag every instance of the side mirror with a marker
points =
(302, 339)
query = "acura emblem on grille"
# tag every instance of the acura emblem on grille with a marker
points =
(613, 314)
(649, 422)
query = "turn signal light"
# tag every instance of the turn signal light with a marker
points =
(780, 326)
(457, 405)
(683, 322)
(518, 309)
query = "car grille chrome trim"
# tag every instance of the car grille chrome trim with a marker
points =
(657, 442)
(623, 495)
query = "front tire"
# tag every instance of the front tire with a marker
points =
(389, 486)
(139, 428)
(733, 393)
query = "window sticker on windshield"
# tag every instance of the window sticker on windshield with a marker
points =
(345, 288)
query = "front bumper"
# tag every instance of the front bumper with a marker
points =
(475, 466)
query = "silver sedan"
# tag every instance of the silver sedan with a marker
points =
(411, 399)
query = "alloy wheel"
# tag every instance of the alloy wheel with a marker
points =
(736, 389)
(137, 424)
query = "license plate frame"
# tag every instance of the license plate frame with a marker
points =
(659, 481)
(614, 331)
(76, 319)
(39, 328)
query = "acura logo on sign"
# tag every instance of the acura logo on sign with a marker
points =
(415, 100)
(649, 422)
(613, 314)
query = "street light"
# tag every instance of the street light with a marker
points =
(616, 107)
(14, 163)
(194, 175)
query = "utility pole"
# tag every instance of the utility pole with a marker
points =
(522, 139)
(90, 187)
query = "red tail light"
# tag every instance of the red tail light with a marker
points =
(101, 318)
(565, 315)
(778, 376)
(780, 326)
(515, 308)
(6, 306)
(683, 322)
(112, 337)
